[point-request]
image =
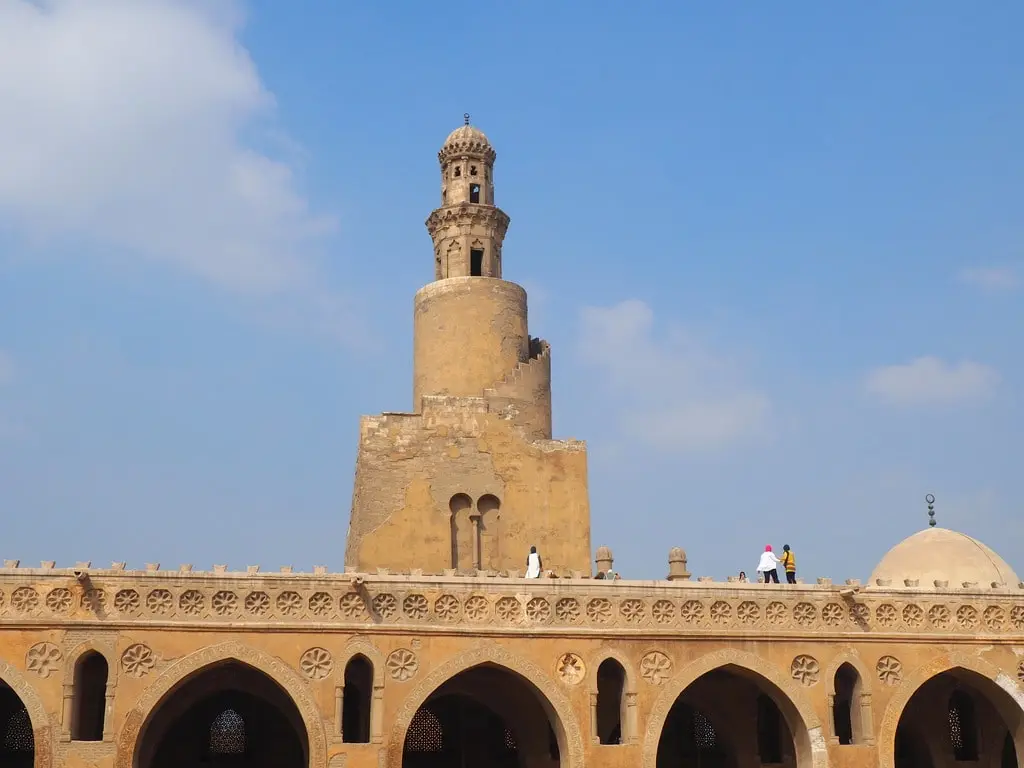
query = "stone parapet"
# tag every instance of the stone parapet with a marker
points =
(492, 604)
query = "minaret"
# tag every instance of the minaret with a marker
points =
(468, 228)
(471, 478)
(470, 326)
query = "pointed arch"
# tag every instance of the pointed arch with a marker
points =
(90, 696)
(803, 721)
(360, 646)
(72, 690)
(861, 717)
(42, 730)
(1010, 706)
(271, 666)
(628, 709)
(570, 739)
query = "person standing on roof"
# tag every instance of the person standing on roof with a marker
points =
(768, 566)
(789, 561)
(533, 564)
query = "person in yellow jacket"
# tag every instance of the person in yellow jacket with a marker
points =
(789, 561)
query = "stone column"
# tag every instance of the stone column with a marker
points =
(67, 709)
(867, 724)
(477, 560)
(108, 712)
(339, 704)
(377, 712)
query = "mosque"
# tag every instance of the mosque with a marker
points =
(431, 649)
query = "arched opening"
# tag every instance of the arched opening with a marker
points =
(462, 540)
(90, 697)
(487, 536)
(846, 723)
(959, 717)
(611, 687)
(486, 715)
(731, 717)
(17, 743)
(227, 714)
(357, 699)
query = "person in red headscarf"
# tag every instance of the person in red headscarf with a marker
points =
(769, 566)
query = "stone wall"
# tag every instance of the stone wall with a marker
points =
(157, 628)
(409, 467)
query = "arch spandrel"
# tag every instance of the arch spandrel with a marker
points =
(272, 666)
(688, 675)
(489, 654)
(947, 662)
(42, 728)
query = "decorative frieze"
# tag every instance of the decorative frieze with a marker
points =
(496, 604)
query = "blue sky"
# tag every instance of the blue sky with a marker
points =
(777, 251)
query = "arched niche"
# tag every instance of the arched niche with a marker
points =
(849, 698)
(361, 648)
(460, 505)
(697, 687)
(488, 531)
(626, 704)
(78, 678)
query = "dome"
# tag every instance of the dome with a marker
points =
(939, 554)
(467, 133)
(467, 141)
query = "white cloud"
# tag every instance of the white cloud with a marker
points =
(121, 126)
(993, 279)
(676, 394)
(931, 381)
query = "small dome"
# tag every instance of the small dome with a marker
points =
(467, 141)
(467, 133)
(939, 554)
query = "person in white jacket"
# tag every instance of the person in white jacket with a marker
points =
(768, 567)
(533, 564)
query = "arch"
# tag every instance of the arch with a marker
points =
(629, 694)
(610, 705)
(71, 662)
(487, 534)
(861, 719)
(460, 505)
(89, 697)
(357, 700)
(271, 666)
(844, 705)
(42, 730)
(803, 721)
(1006, 696)
(855, 661)
(360, 646)
(570, 740)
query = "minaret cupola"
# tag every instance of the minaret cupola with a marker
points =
(468, 229)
